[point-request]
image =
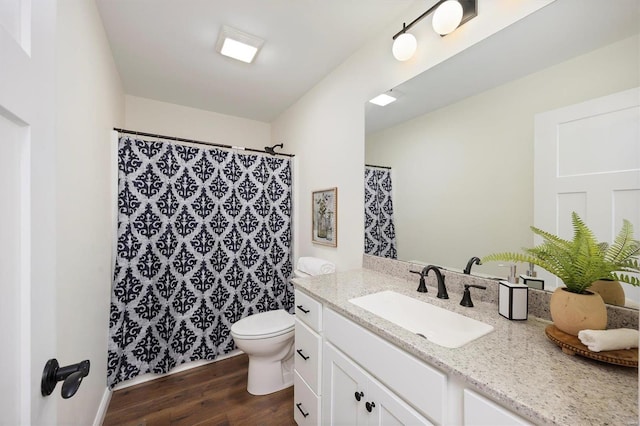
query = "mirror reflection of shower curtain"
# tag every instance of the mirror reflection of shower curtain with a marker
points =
(379, 234)
(204, 239)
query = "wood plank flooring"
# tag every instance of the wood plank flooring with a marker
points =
(214, 394)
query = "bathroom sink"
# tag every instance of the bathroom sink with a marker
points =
(438, 325)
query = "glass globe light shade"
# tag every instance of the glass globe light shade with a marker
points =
(404, 46)
(447, 17)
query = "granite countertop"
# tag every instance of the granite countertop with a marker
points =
(516, 365)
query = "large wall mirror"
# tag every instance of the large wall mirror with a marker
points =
(460, 138)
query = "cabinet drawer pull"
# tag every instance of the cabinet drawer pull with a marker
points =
(370, 405)
(302, 355)
(359, 395)
(306, 311)
(298, 405)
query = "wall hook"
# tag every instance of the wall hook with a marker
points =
(71, 377)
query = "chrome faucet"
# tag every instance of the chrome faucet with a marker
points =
(442, 289)
(470, 263)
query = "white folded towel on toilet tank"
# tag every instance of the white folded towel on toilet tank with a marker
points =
(315, 266)
(609, 340)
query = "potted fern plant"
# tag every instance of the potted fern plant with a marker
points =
(579, 263)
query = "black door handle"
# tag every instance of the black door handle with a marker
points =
(302, 355)
(298, 405)
(359, 395)
(306, 311)
(369, 406)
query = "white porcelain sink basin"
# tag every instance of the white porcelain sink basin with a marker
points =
(440, 326)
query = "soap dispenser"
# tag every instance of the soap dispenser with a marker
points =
(513, 297)
(531, 278)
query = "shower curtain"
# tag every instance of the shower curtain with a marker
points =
(380, 234)
(204, 239)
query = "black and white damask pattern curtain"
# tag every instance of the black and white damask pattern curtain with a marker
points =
(204, 239)
(379, 232)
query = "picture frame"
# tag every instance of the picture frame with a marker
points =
(324, 208)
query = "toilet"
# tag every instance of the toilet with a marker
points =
(267, 339)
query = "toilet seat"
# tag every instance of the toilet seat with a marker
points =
(264, 325)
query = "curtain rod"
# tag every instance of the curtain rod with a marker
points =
(219, 145)
(379, 167)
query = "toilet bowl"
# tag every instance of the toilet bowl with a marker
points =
(267, 339)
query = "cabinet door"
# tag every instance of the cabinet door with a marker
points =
(343, 385)
(353, 397)
(387, 409)
(480, 411)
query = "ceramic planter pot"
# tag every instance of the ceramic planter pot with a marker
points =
(572, 312)
(610, 291)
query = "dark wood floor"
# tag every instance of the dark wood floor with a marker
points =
(215, 394)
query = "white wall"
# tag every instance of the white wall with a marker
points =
(150, 116)
(325, 128)
(90, 101)
(480, 151)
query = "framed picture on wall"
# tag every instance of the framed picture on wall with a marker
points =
(325, 217)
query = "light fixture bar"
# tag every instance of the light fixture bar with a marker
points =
(469, 10)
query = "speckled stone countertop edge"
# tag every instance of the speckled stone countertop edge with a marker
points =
(489, 364)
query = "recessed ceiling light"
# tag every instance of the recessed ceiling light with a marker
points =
(237, 44)
(383, 99)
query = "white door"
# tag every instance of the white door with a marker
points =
(587, 160)
(27, 221)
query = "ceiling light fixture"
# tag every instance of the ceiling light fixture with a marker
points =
(237, 44)
(383, 99)
(449, 15)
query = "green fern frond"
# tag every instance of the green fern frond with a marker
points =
(624, 278)
(624, 246)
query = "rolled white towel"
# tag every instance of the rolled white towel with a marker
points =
(315, 266)
(609, 340)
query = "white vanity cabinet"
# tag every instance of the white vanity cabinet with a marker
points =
(308, 360)
(348, 375)
(354, 397)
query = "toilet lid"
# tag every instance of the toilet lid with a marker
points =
(265, 324)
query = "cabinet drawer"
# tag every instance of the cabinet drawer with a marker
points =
(307, 356)
(422, 386)
(308, 310)
(306, 405)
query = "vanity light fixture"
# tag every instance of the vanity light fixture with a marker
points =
(237, 44)
(447, 16)
(404, 46)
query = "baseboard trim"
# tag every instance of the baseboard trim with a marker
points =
(186, 366)
(102, 409)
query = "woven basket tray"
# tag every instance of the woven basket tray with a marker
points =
(572, 345)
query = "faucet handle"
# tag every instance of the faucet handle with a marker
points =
(466, 296)
(422, 287)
